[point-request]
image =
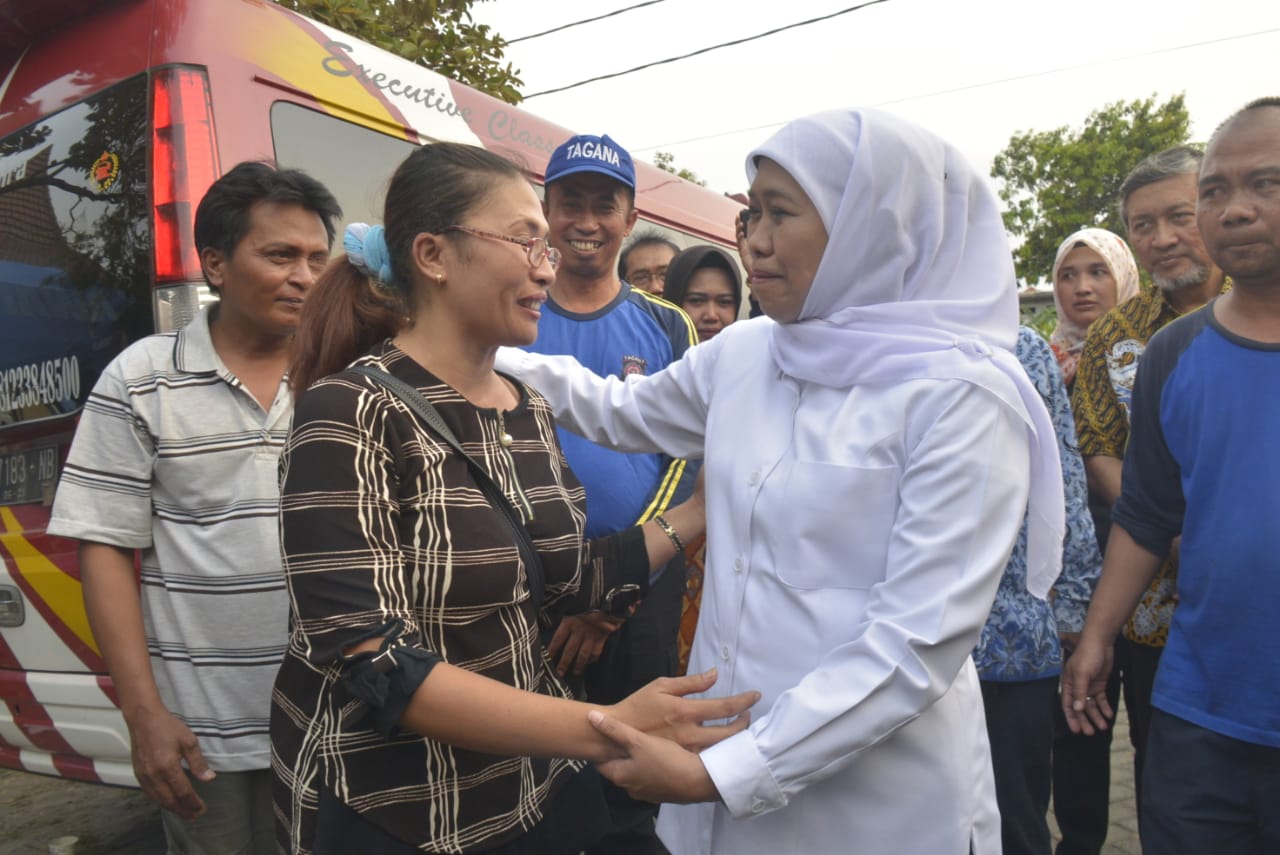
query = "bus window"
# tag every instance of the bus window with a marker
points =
(354, 162)
(75, 252)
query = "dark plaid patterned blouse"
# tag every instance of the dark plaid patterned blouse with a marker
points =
(384, 531)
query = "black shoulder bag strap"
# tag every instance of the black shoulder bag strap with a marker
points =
(429, 414)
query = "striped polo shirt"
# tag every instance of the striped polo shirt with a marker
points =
(175, 457)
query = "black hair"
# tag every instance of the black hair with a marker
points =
(646, 238)
(436, 186)
(1255, 104)
(689, 262)
(346, 313)
(222, 217)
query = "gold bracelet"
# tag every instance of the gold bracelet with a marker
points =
(670, 533)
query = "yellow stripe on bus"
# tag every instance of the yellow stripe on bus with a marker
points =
(290, 52)
(63, 593)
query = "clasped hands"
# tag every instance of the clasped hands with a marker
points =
(655, 734)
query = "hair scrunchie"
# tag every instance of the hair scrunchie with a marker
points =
(366, 248)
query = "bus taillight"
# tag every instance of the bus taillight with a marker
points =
(184, 162)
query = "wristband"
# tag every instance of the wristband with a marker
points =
(670, 533)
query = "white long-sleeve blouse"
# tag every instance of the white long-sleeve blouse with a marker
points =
(856, 537)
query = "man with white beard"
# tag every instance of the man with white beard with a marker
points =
(1158, 206)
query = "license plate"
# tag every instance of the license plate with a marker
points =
(28, 477)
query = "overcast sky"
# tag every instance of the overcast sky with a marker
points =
(907, 56)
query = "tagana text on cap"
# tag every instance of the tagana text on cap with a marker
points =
(588, 153)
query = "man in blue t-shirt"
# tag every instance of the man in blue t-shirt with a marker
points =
(1203, 465)
(613, 329)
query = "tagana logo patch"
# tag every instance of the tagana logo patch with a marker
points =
(593, 151)
(105, 171)
(634, 365)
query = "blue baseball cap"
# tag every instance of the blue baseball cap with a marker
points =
(588, 153)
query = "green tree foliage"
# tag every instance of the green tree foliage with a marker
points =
(1043, 322)
(666, 161)
(1055, 182)
(439, 34)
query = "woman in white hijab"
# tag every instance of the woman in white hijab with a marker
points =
(870, 450)
(1093, 272)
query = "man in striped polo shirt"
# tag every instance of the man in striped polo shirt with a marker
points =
(176, 457)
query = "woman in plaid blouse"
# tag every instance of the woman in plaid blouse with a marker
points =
(416, 709)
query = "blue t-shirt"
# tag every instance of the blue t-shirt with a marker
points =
(1204, 462)
(635, 333)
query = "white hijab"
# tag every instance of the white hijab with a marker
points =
(916, 281)
(1068, 335)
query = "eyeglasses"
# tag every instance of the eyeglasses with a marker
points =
(643, 278)
(536, 248)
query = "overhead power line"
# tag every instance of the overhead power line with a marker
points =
(706, 49)
(583, 21)
(969, 86)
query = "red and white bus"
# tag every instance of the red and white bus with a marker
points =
(114, 119)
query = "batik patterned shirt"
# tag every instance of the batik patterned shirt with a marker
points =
(1020, 639)
(1100, 399)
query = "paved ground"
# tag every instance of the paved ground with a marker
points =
(35, 810)
(1122, 836)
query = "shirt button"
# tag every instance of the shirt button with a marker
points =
(738, 564)
(757, 805)
(754, 479)
(724, 653)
